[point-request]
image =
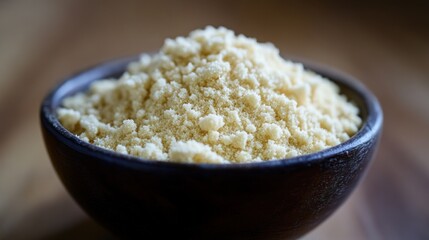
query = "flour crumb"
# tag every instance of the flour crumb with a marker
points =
(211, 122)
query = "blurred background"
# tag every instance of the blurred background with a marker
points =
(384, 44)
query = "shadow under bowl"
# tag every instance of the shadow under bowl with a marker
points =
(279, 199)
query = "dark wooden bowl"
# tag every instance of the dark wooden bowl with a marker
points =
(137, 198)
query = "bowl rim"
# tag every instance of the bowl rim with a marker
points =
(369, 129)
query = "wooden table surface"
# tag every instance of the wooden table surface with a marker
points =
(384, 45)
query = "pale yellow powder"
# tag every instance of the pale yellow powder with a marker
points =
(212, 97)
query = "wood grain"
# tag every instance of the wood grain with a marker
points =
(386, 46)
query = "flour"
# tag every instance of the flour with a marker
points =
(212, 97)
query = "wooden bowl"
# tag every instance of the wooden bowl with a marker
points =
(137, 198)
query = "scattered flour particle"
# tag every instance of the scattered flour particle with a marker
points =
(68, 117)
(193, 152)
(272, 131)
(150, 151)
(211, 122)
(251, 128)
(213, 136)
(239, 140)
(121, 149)
(127, 127)
(244, 157)
(252, 99)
